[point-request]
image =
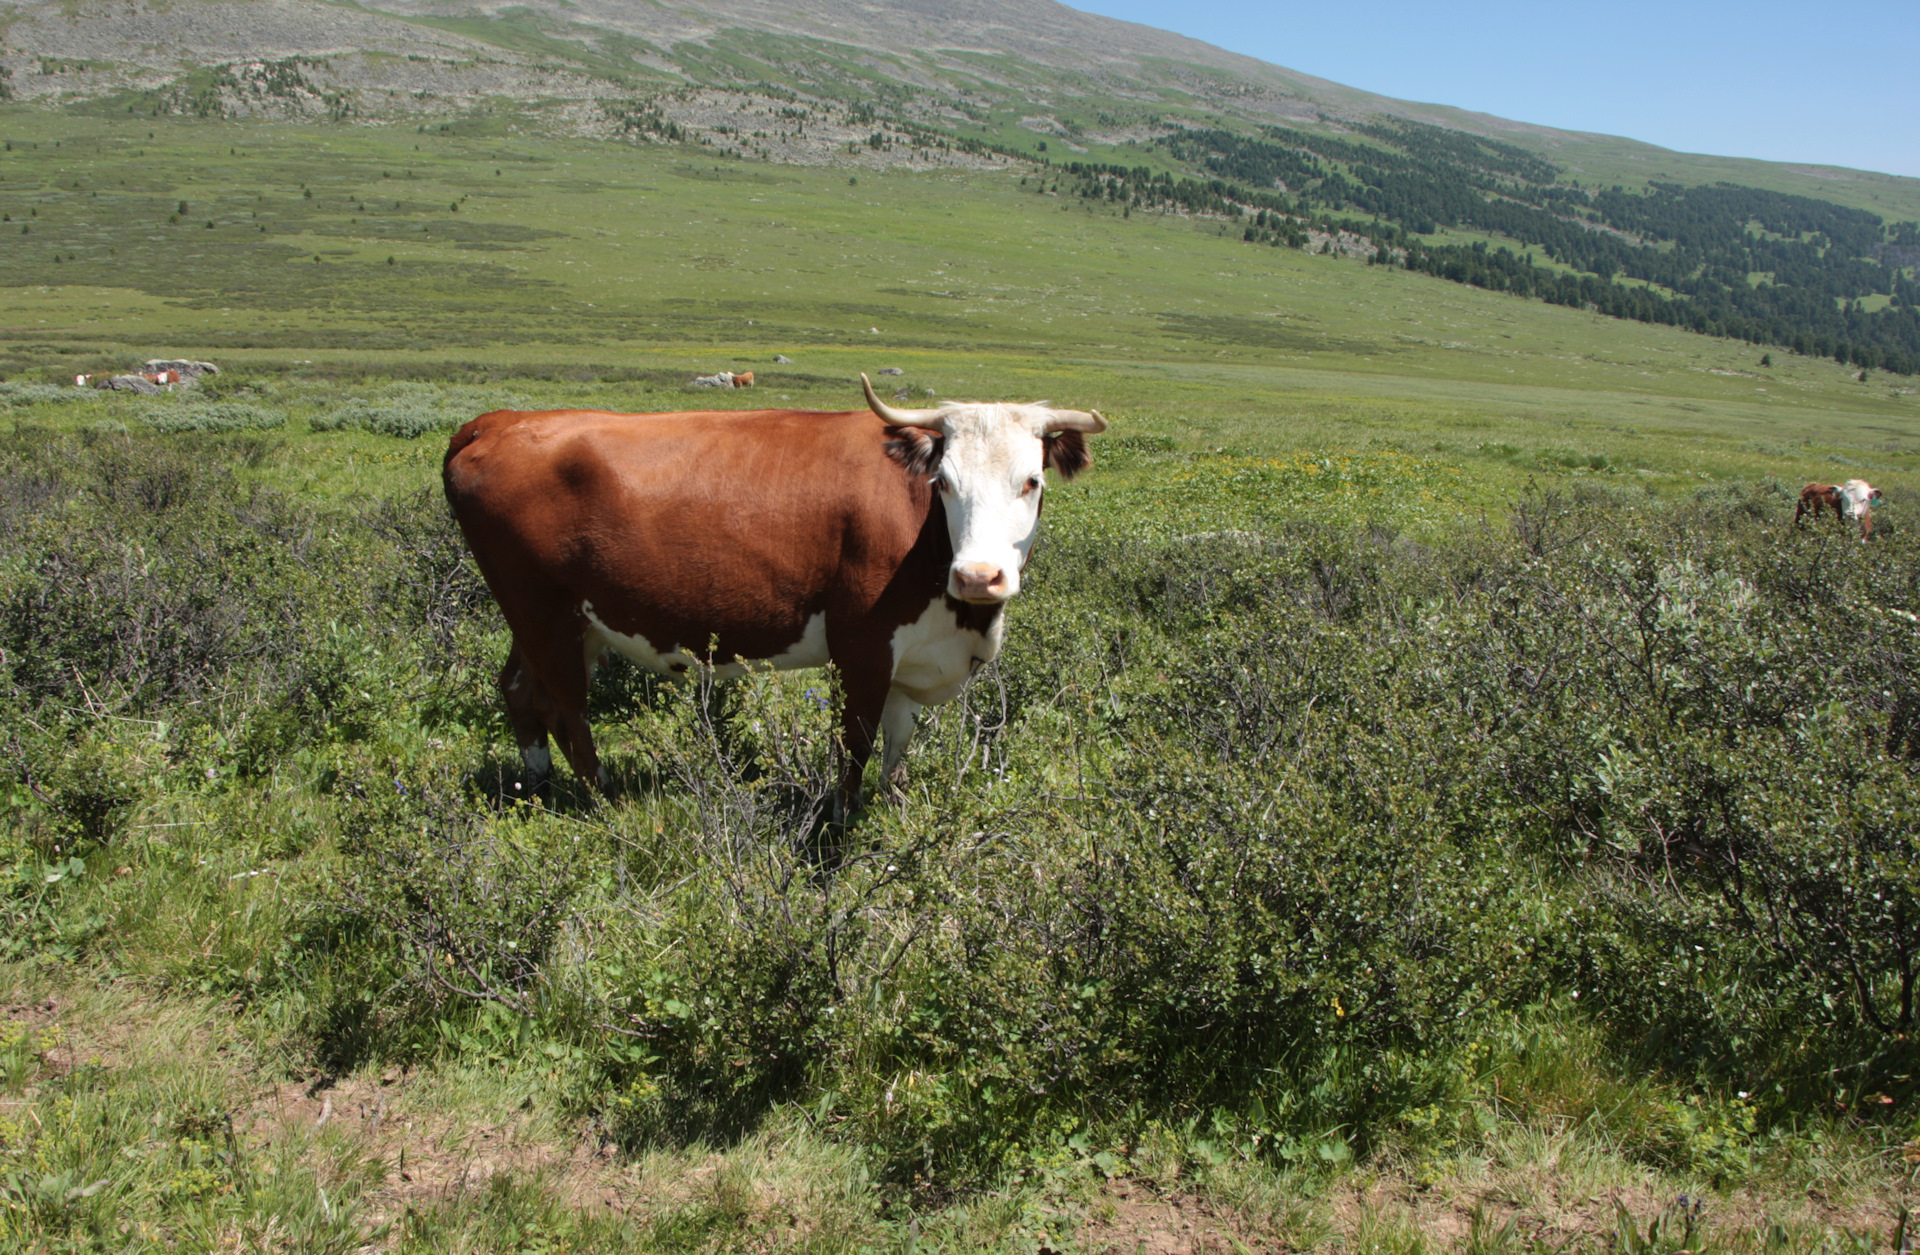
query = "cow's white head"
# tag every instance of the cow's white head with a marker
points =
(988, 463)
(1859, 495)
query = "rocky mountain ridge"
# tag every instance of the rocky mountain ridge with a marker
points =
(580, 63)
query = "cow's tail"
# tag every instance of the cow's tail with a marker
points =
(468, 433)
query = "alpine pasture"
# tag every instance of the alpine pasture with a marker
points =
(1431, 798)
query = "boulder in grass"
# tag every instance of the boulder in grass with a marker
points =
(890, 370)
(182, 367)
(129, 383)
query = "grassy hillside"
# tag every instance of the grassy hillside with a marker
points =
(363, 248)
(1608, 159)
(1431, 799)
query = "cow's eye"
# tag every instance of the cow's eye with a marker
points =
(944, 484)
(1034, 484)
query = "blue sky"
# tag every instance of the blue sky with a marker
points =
(1837, 84)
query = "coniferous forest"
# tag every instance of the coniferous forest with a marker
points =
(1763, 266)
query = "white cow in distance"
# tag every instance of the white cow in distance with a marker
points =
(1856, 501)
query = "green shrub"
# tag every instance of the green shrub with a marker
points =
(162, 597)
(459, 907)
(211, 416)
(14, 393)
(407, 410)
(403, 420)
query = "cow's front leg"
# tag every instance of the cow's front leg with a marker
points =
(896, 727)
(863, 703)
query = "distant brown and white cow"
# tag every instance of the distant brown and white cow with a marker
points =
(1851, 500)
(1859, 497)
(884, 541)
(1815, 498)
(723, 379)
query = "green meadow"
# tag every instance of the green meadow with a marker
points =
(1431, 799)
(363, 249)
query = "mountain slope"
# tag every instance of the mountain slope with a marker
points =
(430, 57)
(1808, 259)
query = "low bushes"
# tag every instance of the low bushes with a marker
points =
(212, 416)
(408, 411)
(1273, 838)
(17, 393)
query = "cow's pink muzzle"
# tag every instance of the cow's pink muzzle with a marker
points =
(979, 582)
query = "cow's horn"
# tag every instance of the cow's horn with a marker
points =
(897, 418)
(1074, 420)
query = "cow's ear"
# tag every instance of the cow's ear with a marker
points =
(916, 448)
(1066, 452)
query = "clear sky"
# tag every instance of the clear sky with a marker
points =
(1836, 84)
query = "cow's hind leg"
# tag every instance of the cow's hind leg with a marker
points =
(527, 714)
(559, 660)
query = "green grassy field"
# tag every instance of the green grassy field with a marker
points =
(1431, 801)
(604, 258)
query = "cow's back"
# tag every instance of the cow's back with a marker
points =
(684, 525)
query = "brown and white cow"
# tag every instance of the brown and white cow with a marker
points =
(1851, 500)
(884, 541)
(1859, 497)
(1815, 498)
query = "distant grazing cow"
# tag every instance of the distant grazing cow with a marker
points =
(1815, 498)
(1860, 496)
(884, 541)
(724, 379)
(1851, 500)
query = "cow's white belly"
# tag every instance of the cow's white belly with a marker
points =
(933, 656)
(809, 651)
